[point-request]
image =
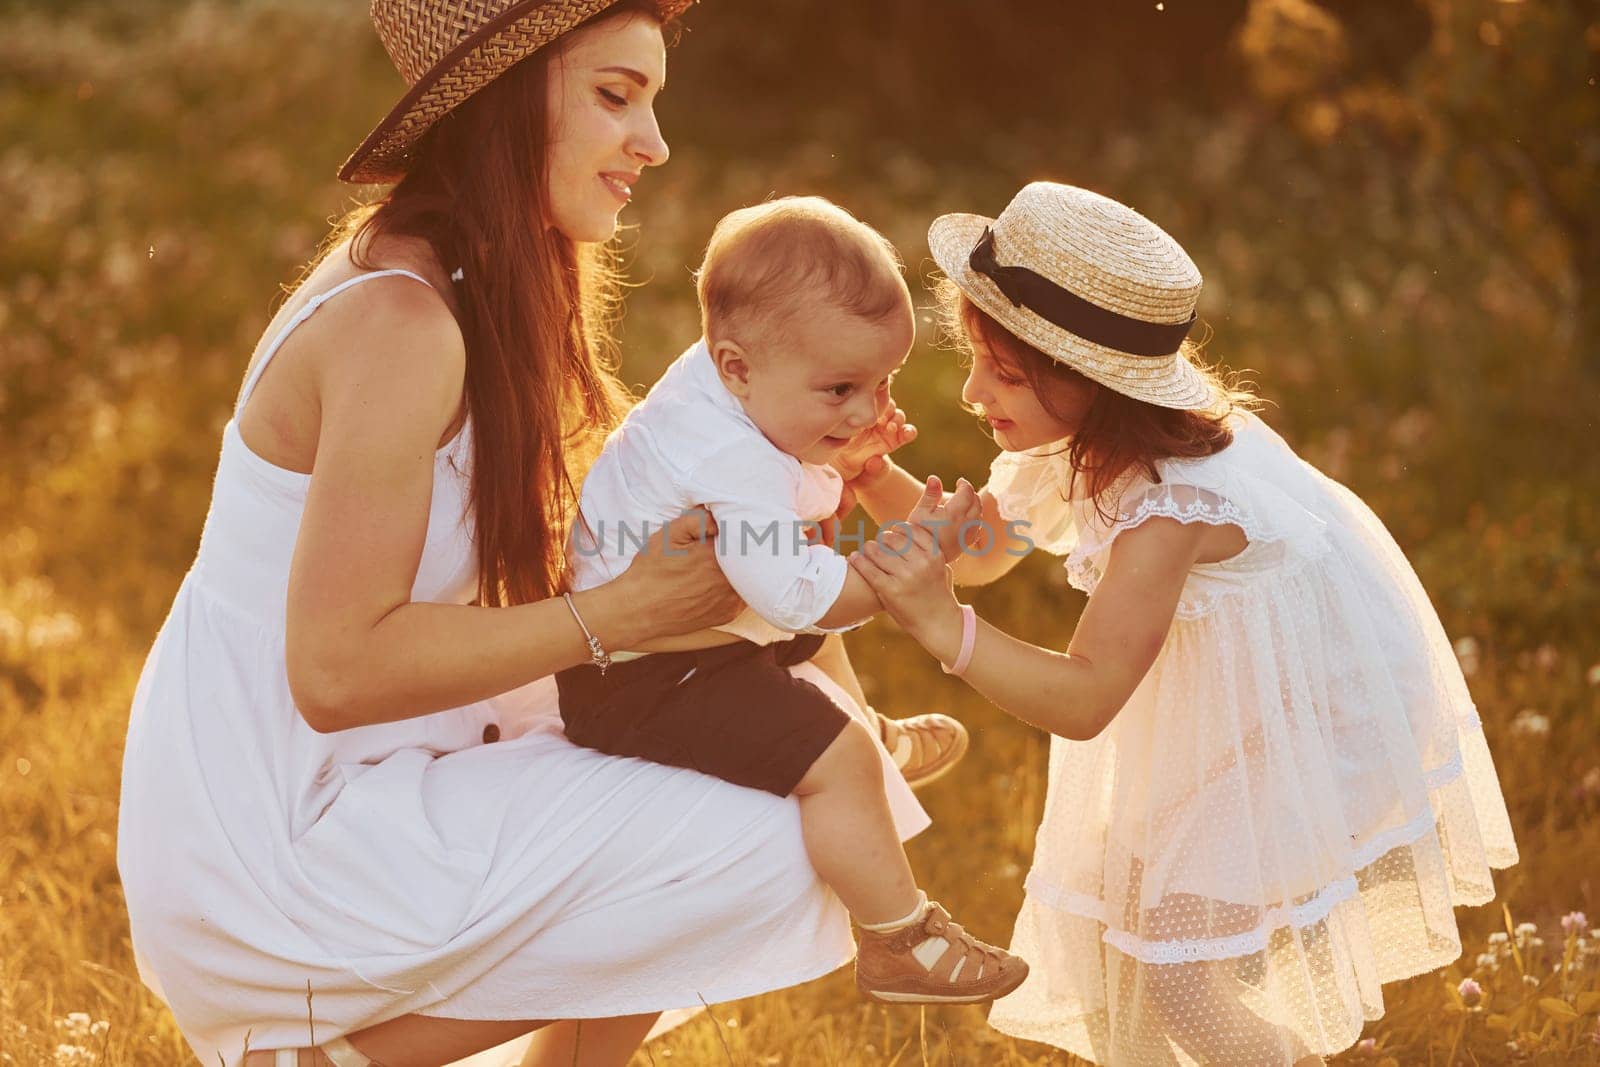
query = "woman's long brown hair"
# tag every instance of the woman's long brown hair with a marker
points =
(536, 314)
(1118, 434)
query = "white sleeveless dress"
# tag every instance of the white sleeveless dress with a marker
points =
(1295, 796)
(467, 864)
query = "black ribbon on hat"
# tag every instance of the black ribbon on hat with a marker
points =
(1072, 312)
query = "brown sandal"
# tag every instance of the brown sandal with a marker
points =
(968, 971)
(924, 747)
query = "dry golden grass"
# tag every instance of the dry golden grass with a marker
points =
(162, 170)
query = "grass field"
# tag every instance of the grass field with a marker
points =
(163, 171)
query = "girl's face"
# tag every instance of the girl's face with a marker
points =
(997, 385)
(603, 132)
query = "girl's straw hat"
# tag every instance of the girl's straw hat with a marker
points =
(1089, 282)
(446, 50)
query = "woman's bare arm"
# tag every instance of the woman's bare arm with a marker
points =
(359, 650)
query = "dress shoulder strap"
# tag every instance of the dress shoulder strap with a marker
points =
(302, 315)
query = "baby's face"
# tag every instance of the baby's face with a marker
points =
(822, 379)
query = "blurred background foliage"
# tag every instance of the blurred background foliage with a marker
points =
(1393, 203)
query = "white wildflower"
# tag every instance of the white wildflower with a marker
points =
(1467, 655)
(54, 631)
(1530, 723)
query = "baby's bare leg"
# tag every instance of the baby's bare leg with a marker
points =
(850, 833)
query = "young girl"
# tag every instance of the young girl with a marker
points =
(1268, 784)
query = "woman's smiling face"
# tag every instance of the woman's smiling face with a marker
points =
(603, 130)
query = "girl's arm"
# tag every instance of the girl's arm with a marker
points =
(1074, 694)
(886, 490)
(359, 650)
(858, 601)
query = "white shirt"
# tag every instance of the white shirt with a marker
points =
(689, 443)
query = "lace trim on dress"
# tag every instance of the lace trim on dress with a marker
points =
(1318, 906)
(1191, 950)
(1083, 567)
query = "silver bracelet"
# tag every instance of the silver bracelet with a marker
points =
(597, 653)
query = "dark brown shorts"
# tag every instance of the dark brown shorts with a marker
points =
(734, 712)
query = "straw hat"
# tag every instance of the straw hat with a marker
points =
(446, 50)
(1087, 281)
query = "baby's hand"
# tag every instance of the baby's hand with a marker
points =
(862, 456)
(945, 515)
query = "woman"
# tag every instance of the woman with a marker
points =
(335, 847)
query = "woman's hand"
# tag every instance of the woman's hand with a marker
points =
(861, 461)
(675, 584)
(906, 569)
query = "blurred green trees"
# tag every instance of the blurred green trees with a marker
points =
(1393, 203)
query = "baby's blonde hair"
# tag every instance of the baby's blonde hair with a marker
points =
(762, 263)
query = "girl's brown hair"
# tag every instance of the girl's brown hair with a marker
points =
(536, 311)
(1118, 434)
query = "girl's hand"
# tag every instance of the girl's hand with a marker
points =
(905, 567)
(861, 461)
(946, 515)
(676, 581)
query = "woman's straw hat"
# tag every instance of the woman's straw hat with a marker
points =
(446, 50)
(1089, 282)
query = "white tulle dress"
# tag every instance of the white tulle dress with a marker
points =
(470, 863)
(1287, 809)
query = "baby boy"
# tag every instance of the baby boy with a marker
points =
(806, 317)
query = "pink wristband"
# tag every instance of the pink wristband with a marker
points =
(969, 637)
